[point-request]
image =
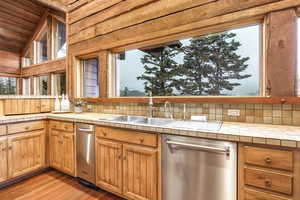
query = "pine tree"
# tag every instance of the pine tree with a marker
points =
(211, 64)
(160, 70)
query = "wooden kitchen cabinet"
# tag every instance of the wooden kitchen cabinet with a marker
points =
(109, 160)
(62, 147)
(128, 165)
(68, 153)
(3, 159)
(140, 172)
(268, 172)
(26, 152)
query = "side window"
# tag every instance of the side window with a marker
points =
(90, 78)
(60, 40)
(59, 84)
(42, 48)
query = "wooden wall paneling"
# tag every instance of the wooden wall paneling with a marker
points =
(281, 55)
(91, 8)
(165, 22)
(169, 26)
(125, 11)
(103, 58)
(9, 62)
(76, 4)
(45, 67)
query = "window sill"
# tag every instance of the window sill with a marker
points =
(219, 100)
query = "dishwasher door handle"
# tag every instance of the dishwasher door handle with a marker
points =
(85, 129)
(182, 145)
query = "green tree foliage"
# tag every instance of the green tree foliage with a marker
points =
(160, 71)
(212, 65)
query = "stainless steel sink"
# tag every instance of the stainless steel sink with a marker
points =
(139, 120)
(165, 122)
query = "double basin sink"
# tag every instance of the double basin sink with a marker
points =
(165, 122)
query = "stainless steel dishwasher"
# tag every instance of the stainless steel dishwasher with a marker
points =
(199, 169)
(85, 152)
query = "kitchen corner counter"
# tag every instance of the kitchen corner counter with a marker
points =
(287, 136)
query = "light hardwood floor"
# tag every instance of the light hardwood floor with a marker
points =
(53, 185)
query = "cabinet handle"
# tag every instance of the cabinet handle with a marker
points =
(120, 156)
(268, 159)
(105, 134)
(124, 157)
(142, 140)
(268, 183)
(26, 128)
(4, 149)
(9, 148)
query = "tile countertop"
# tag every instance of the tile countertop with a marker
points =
(288, 136)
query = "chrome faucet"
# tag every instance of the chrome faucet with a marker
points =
(150, 104)
(168, 110)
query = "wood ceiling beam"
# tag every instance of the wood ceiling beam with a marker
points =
(24, 14)
(21, 22)
(55, 4)
(27, 6)
(11, 26)
(11, 35)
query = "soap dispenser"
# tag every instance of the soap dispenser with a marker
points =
(57, 104)
(67, 102)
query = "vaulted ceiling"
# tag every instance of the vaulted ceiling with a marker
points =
(18, 21)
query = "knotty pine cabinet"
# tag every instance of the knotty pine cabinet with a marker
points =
(26, 152)
(127, 163)
(62, 146)
(268, 173)
(3, 159)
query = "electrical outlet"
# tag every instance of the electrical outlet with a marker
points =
(89, 108)
(233, 112)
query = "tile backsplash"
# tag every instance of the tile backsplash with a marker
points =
(278, 114)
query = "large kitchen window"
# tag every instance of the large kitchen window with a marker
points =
(59, 84)
(60, 40)
(90, 77)
(8, 85)
(227, 63)
(42, 48)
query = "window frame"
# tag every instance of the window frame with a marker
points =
(37, 86)
(259, 21)
(102, 75)
(55, 21)
(45, 28)
(53, 81)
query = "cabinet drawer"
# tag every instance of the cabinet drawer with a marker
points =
(257, 195)
(127, 136)
(279, 159)
(64, 126)
(269, 180)
(25, 126)
(3, 130)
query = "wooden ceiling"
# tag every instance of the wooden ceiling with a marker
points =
(18, 21)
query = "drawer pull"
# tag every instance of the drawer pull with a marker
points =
(142, 140)
(26, 128)
(268, 183)
(105, 134)
(268, 159)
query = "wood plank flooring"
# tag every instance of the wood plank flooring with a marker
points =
(53, 185)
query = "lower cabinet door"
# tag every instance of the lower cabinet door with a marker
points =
(68, 153)
(140, 172)
(55, 149)
(26, 152)
(3, 159)
(109, 165)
